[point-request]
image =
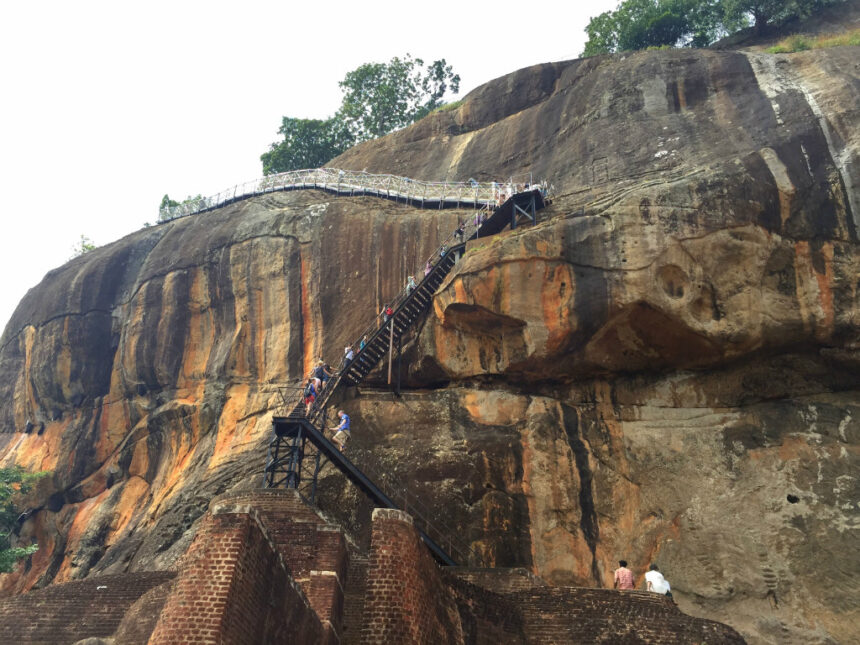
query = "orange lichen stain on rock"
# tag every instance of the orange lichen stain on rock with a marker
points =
(200, 336)
(114, 424)
(795, 448)
(307, 320)
(133, 492)
(807, 282)
(127, 368)
(182, 448)
(556, 304)
(84, 516)
(229, 424)
(566, 556)
(39, 452)
(460, 294)
(139, 459)
(494, 408)
(825, 293)
(29, 336)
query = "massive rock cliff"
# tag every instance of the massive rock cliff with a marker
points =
(663, 369)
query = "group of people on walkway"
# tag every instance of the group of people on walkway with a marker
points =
(654, 580)
(319, 376)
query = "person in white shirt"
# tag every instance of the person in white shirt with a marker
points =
(657, 583)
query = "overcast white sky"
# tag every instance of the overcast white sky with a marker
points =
(107, 106)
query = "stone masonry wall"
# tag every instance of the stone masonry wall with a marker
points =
(406, 600)
(233, 587)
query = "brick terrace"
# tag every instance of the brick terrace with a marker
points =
(266, 568)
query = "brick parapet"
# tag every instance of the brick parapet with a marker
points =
(234, 587)
(499, 580)
(406, 600)
(313, 552)
(353, 597)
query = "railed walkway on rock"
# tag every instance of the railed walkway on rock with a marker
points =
(299, 448)
(421, 194)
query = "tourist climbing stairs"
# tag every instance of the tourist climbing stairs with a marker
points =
(405, 315)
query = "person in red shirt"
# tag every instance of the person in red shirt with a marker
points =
(623, 576)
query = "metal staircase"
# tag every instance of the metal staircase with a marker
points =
(299, 449)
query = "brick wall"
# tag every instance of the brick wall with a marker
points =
(233, 587)
(314, 552)
(406, 600)
(353, 598)
(66, 613)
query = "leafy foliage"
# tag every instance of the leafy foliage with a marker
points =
(640, 24)
(378, 98)
(382, 97)
(84, 245)
(307, 143)
(14, 482)
(763, 13)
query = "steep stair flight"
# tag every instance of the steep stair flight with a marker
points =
(299, 449)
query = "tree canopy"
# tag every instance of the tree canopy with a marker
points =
(14, 482)
(639, 24)
(307, 143)
(378, 98)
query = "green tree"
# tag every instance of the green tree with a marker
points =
(307, 143)
(84, 245)
(14, 483)
(379, 98)
(639, 24)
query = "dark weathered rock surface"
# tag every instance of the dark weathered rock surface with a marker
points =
(665, 369)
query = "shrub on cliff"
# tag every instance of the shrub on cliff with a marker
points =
(14, 483)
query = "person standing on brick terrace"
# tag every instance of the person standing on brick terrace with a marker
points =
(623, 576)
(657, 583)
(341, 432)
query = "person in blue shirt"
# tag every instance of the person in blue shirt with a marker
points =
(341, 432)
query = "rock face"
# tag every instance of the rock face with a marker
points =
(664, 369)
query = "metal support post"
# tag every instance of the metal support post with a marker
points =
(390, 347)
(399, 361)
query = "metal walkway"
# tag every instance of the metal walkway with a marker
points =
(421, 194)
